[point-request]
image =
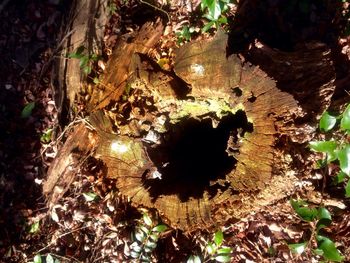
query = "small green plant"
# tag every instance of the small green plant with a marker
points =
(145, 238)
(185, 34)
(318, 218)
(46, 136)
(215, 13)
(336, 150)
(34, 228)
(27, 110)
(214, 250)
(90, 196)
(85, 60)
(41, 259)
(112, 7)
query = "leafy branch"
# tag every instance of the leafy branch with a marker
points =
(335, 150)
(214, 250)
(318, 218)
(86, 60)
(145, 239)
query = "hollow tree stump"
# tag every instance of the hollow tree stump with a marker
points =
(188, 143)
(197, 144)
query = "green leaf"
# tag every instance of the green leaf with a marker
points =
(37, 259)
(208, 26)
(144, 229)
(345, 121)
(27, 110)
(306, 213)
(160, 228)
(75, 55)
(330, 252)
(46, 136)
(154, 236)
(147, 220)
(224, 250)
(78, 53)
(323, 146)
(151, 245)
(90, 196)
(49, 259)
(134, 254)
(298, 248)
(140, 236)
(347, 189)
(87, 70)
(325, 218)
(193, 259)
(83, 61)
(344, 159)
(214, 8)
(136, 248)
(339, 178)
(318, 251)
(222, 20)
(223, 258)
(34, 227)
(148, 250)
(218, 238)
(96, 81)
(327, 147)
(211, 248)
(94, 57)
(300, 207)
(323, 213)
(327, 122)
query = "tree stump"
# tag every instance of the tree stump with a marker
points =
(196, 143)
(186, 144)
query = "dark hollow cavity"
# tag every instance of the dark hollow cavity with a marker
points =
(193, 155)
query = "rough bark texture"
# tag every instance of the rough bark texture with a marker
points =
(79, 145)
(84, 27)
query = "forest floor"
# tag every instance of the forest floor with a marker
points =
(93, 222)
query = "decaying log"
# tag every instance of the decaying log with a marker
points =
(85, 28)
(114, 81)
(234, 106)
(198, 143)
(79, 145)
(307, 73)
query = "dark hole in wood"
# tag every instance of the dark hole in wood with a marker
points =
(237, 91)
(193, 154)
(252, 98)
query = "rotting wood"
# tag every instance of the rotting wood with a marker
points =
(242, 102)
(210, 92)
(307, 73)
(86, 28)
(79, 145)
(118, 67)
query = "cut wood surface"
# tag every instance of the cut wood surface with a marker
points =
(114, 81)
(192, 141)
(225, 99)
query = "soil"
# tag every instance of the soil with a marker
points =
(79, 229)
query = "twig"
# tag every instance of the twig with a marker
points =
(157, 8)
